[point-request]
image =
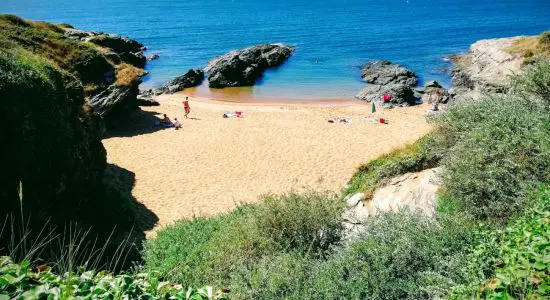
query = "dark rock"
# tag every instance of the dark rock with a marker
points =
(152, 57)
(383, 72)
(384, 77)
(432, 84)
(116, 99)
(190, 79)
(244, 67)
(130, 51)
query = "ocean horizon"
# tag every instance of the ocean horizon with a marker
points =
(332, 38)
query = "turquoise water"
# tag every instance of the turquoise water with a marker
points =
(333, 37)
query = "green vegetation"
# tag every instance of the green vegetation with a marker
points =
(21, 281)
(521, 255)
(488, 238)
(413, 158)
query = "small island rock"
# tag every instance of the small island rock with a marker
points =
(243, 67)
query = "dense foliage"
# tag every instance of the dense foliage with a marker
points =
(497, 150)
(21, 281)
(520, 253)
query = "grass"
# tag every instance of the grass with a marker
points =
(412, 158)
(531, 47)
(127, 74)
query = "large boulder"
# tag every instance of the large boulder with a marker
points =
(190, 79)
(384, 77)
(116, 99)
(243, 67)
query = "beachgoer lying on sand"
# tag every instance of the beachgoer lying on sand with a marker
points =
(176, 124)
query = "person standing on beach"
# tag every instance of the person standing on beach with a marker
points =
(186, 106)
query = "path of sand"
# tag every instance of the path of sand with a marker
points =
(214, 163)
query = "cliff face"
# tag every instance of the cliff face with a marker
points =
(51, 130)
(489, 64)
(51, 141)
(108, 66)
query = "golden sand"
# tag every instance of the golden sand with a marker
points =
(214, 163)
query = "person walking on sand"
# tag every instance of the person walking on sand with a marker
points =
(186, 106)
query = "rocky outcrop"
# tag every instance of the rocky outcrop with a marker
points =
(384, 77)
(116, 99)
(128, 50)
(244, 67)
(414, 191)
(429, 93)
(486, 67)
(190, 79)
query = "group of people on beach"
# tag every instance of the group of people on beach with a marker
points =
(167, 123)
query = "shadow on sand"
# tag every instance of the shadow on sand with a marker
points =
(122, 182)
(136, 123)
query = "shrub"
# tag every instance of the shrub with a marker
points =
(310, 222)
(497, 150)
(400, 256)
(226, 250)
(534, 83)
(515, 262)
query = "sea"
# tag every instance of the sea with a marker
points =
(333, 38)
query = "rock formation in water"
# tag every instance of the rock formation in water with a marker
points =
(192, 78)
(244, 67)
(384, 77)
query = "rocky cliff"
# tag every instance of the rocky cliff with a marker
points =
(108, 66)
(486, 67)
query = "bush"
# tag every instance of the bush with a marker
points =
(400, 256)
(496, 150)
(516, 261)
(227, 250)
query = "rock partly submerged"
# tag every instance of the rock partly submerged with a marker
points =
(192, 78)
(244, 67)
(384, 77)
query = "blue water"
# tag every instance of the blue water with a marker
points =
(333, 37)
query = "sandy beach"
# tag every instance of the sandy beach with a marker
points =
(212, 164)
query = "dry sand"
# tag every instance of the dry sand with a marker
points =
(213, 163)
